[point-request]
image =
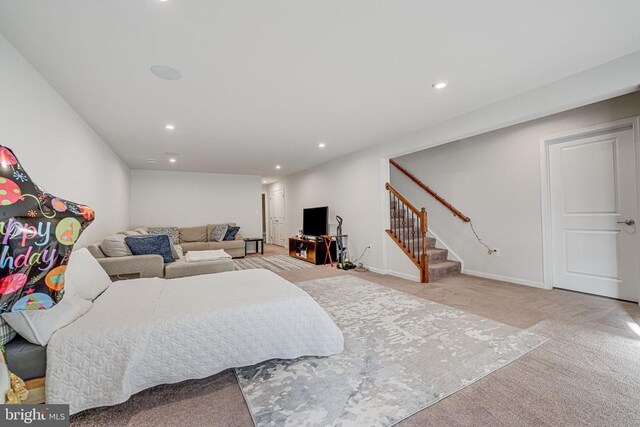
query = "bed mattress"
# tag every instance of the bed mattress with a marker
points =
(145, 332)
(26, 360)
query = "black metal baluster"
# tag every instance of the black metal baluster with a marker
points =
(415, 227)
(409, 230)
(395, 216)
(404, 219)
(413, 232)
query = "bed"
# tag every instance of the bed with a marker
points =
(145, 332)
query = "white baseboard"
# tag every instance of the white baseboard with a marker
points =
(406, 276)
(515, 280)
(499, 277)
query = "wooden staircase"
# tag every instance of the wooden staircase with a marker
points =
(408, 229)
(438, 264)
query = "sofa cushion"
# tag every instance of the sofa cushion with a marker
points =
(142, 230)
(172, 232)
(184, 269)
(114, 246)
(193, 234)
(151, 245)
(218, 233)
(195, 246)
(130, 233)
(231, 233)
(226, 244)
(95, 251)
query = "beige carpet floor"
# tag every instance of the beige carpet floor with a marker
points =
(588, 373)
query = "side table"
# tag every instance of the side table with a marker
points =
(256, 240)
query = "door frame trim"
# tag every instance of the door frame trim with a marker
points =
(632, 123)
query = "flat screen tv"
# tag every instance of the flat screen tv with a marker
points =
(315, 221)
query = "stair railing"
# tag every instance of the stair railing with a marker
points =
(412, 240)
(435, 195)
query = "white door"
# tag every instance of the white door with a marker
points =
(592, 184)
(276, 217)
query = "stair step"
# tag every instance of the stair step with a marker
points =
(407, 232)
(431, 242)
(443, 269)
(436, 255)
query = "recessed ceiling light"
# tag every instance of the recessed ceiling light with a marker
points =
(439, 85)
(322, 145)
(264, 181)
(169, 126)
(172, 160)
(278, 166)
(166, 72)
(163, 1)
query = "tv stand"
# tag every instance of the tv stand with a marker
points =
(310, 250)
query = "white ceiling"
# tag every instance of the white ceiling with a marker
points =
(265, 81)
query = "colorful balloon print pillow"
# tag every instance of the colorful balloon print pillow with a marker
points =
(38, 232)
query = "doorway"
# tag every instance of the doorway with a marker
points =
(590, 210)
(264, 216)
(277, 219)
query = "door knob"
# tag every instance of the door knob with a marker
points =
(627, 222)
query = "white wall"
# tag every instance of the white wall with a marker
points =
(494, 178)
(58, 149)
(353, 185)
(349, 187)
(160, 198)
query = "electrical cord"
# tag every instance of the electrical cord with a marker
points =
(480, 240)
(363, 252)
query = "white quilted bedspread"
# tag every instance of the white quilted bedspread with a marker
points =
(145, 332)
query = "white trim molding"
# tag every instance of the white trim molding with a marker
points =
(508, 279)
(413, 278)
(451, 251)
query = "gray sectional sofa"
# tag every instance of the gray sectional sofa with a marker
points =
(115, 257)
(199, 239)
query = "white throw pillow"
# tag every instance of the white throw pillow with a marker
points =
(84, 276)
(37, 326)
(114, 246)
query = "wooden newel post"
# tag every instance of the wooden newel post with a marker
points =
(424, 271)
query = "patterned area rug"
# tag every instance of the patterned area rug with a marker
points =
(276, 263)
(402, 354)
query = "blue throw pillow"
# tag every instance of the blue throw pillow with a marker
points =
(151, 245)
(231, 233)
